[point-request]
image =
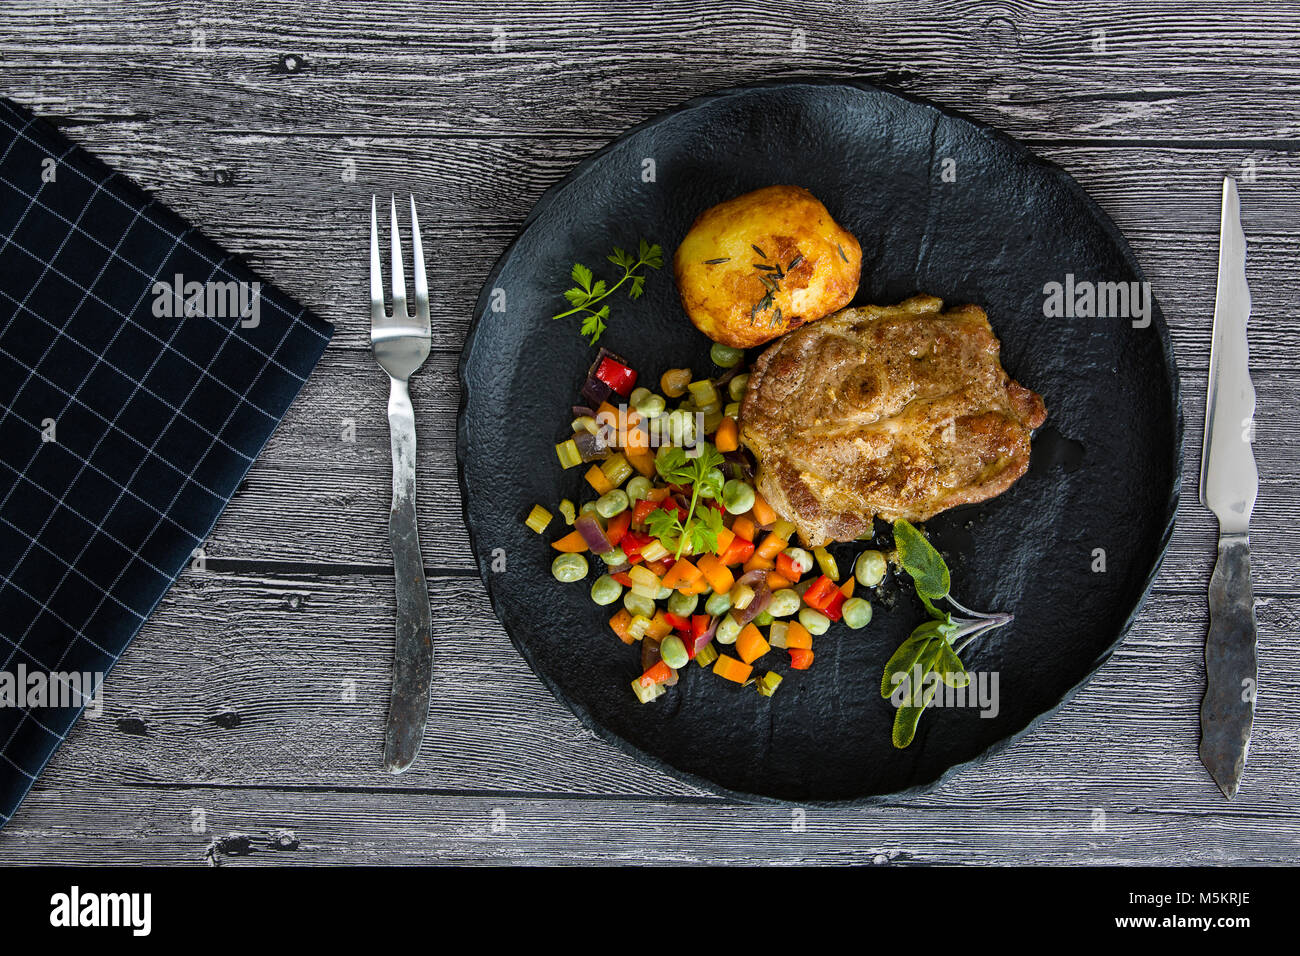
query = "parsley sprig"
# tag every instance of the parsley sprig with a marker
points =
(704, 476)
(589, 292)
(934, 647)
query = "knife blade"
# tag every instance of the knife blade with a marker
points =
(1229, 484)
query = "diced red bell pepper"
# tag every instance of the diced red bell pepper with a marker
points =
(678, 622)
(739, 551)
(618, 526)
(622, 578)
(660, 672)
(616, 375)
(819, 593)
(801, 658)
(834, 607)
(632, 542)
(785, 567)
(641, 510)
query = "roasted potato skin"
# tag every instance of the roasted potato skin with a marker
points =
(787, 225)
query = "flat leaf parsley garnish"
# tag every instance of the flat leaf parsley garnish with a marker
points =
(701, 527)
(934, 647)
(588, 292)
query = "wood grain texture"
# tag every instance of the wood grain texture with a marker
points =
(256, 693)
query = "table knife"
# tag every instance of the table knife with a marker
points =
(1229, 483)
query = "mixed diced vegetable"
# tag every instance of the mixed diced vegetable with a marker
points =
(702, 566)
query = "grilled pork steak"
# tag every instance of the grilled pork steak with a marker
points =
(901, 411)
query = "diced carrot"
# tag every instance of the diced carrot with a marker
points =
(658, 494)
(641, 460)
(740, 550)
(776, 581)
(620, 622)
(660, 627)
(847, 587)
(596, 478)
(698, 586)
(716, 573)
(750, 644)
(800, 658)
(725, 537)
(571, 543)
(797, 636)
(756, 563)
(763, 512)
(772, 545)
(682, 572)
(657, 674)
(785, 566)
(727, 437)
(658, 567)
(732, 669)
(744, 527)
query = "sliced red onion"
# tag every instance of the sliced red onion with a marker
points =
(650, 654)
(591, 447)
(620, 568)
(672, 678)
(593, 534)
(696, 644)
(762, 598)
(582, 410)
(753, 578)
(596, 391)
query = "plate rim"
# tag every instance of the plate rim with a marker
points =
(1173, 380)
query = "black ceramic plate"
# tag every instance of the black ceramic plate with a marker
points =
(994, 231)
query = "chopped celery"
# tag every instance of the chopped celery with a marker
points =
(731, 410)
(826, 561)
(706, 655)
(636, 629)
(616, 469)
(703, 393)
(741, 596)
(568, 453)
(585, 423)
(783, 529)
(776, 634)
(654, 551)
(647, 694)
(640, 574)
(768, 683)
(566, 509)
(538, 519)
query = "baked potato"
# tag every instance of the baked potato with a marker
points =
(759, 265)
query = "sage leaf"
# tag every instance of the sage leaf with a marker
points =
(919, 558)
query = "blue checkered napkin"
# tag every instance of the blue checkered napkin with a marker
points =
(142, 369)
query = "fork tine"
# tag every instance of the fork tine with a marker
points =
(377, 314)
(421, 284)
(399, 276)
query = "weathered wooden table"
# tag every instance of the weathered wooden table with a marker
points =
(245, 723)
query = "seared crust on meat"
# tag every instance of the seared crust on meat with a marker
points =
(897, 411)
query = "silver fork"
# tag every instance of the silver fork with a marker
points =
(401, 344)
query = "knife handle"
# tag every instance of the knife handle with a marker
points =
(1230, 668)
(413, 654)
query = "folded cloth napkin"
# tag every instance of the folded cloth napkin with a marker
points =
(142, 369)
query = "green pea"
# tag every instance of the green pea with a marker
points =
(650, 405)
(569, 567)
(736, 387)
(764, 619)
(664, 594)
(614, 557)
(673, 652)
(588, 507)
(737, 496)
(683, 605)
(681, 427)
(814, 621)
(638, 604)
(857, 613)
(638, 487)
(784, 603)
(639, 394)
(605, 590)
(717, 604)
(870, 568)
(611, 503)
(725, 356)
(728, 630)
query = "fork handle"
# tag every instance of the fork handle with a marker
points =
(413, 658)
